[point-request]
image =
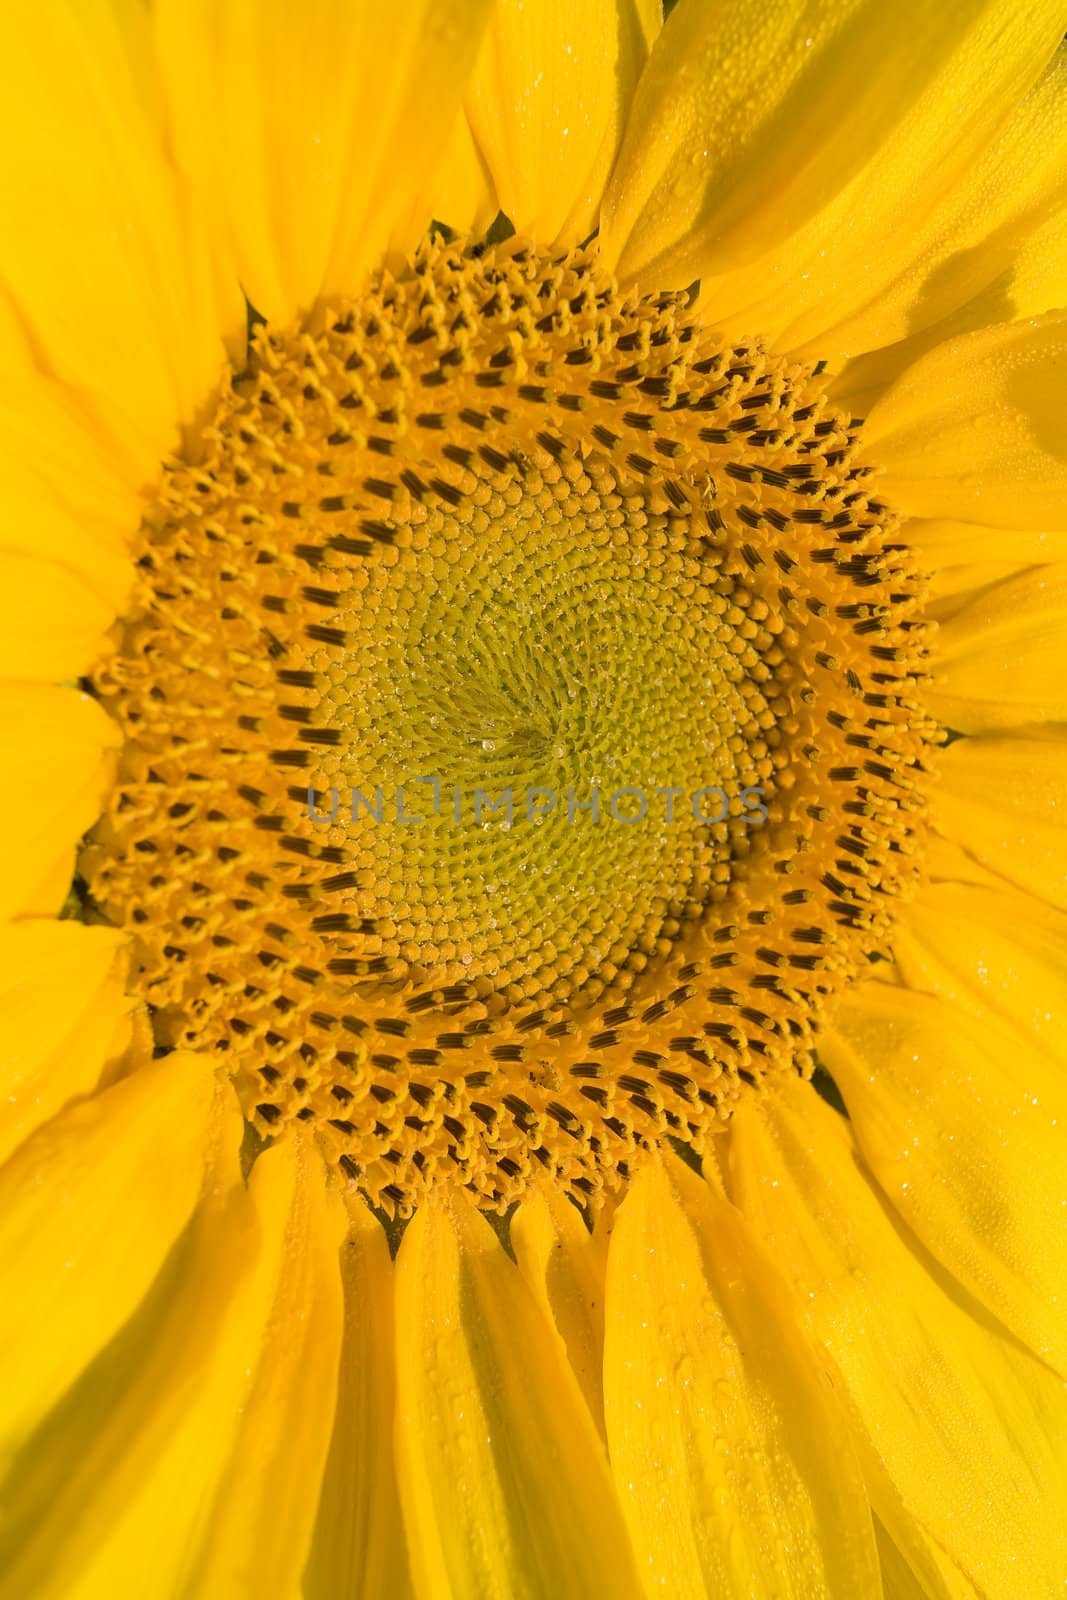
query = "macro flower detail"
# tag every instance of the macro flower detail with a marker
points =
(534, 879)
(613, 542)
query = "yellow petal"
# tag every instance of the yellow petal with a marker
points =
(993, 951)
(307, 130)
(108, 266)
(259, 1531)
(859, 281)
(966, 1433)
(976, 429)
(50, 894)
(503, 1479)
(939, 543)
(547, 105)
(1026, 282)
(1001, 655)
(964, 1124)
(461, 194)
(898, 1580)
(1004, 800)
(358, 1550)
(730, 1457)
(66, 498)
(117, 1493)
(89, 1208)
(945, 861)
(61, 1001)
(926, 1576)
(750, 119)
(53, 622)
(55, 743)
(951, 589)
(565, 1264)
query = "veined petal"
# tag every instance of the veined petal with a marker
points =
(461, 194)
(919, 1572)
(1028, 285)
(946, 861)
(62, 1003)
(750, 119)
(966, 1432)
(994, 952)
(855, 280)
(358, 1550)
(258, 1534)
(66, 497)
(964, 1125)
(117, 1492)
(89, 1208)
(565, 1266)
(1004, 799)
(503, 1480)
(938, 543)
(1001, 660)
(950, 589)
(53, 621)
(308, 130)
(976, 430)
(54, 746)
(547, 104)
(136, 330)
(730, 1458)
(50, 894)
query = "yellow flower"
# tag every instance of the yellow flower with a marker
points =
(549, 1079)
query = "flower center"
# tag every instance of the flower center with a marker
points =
(522, 734)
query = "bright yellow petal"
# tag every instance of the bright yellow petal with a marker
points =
(856, 280)
(964, 1124)
(731, 1460)
(565, 1267)
(461, 194)
(257, 1538)
(751, 118)
(976, 430)
(898, 1580)
(1004, 800)
(66, 498)
(358, 1551)
(547, 105)
(1027, 283)
(992, 951)
(503, 1479)
(307, 130)
(1039, 266)
(53, 622)
(951, 589)
(89, 1208)
(61, 1006)
(966, 1432)
(50, 893)
(938, 543)
(116, 1494)
(1001, 654)
(926, 1576)
(55, 744)
(108, 266)
(945, 861)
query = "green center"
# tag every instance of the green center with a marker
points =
(583, 668)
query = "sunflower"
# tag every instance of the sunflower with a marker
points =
(534, 870)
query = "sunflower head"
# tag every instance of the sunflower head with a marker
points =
(549, 1079)
(522, 719)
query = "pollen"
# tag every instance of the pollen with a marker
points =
(523, 728)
